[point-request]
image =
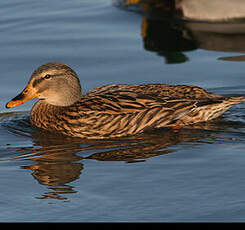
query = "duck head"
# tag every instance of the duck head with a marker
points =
(55, 83)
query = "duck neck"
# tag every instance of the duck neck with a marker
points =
(43, 114)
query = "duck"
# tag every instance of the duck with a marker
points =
(114, 110)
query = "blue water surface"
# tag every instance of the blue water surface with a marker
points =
(188, 176)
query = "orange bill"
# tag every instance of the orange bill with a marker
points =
(27, 94)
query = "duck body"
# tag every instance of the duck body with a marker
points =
(114, 110)
(121, 110)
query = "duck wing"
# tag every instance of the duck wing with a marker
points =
(119, 113)
(158, 90)
(129, 101)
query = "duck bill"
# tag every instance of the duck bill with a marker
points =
(27, 94)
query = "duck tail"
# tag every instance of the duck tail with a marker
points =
(235, 99)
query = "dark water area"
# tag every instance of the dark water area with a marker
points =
(195, 174)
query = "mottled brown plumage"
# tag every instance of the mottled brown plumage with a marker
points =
(114, 110)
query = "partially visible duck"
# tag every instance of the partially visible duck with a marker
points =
(114, 110)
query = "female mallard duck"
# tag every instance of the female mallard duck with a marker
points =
(114, 110)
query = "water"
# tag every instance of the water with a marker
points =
(195, 174)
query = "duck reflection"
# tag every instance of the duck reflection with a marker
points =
(167, 33)
(55, 171)
(58, 160)
(171, 39)
(167, 40)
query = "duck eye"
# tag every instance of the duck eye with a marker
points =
(47, 76)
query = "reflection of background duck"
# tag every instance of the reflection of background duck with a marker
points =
(172, 38)
(169, 34)
(163, 37)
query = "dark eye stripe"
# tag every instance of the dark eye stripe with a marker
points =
(37, 81)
